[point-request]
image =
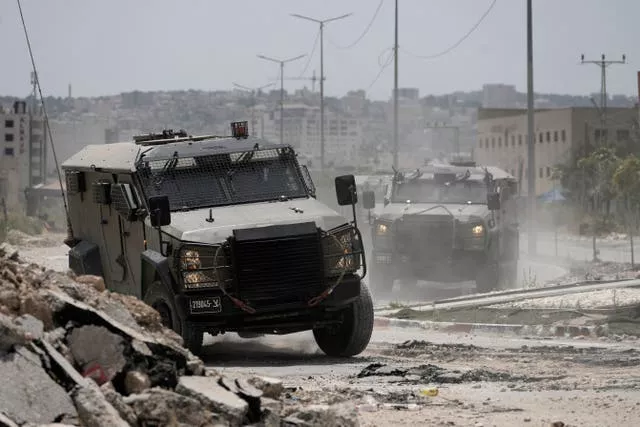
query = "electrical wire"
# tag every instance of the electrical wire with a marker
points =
(383, 66)
(44, 111)
(459, 42)
(313, 50)
(364, 33)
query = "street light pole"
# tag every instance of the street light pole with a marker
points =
(395, 94)
(281, 62)
(531, 149)
(253, 91)
(321, 23)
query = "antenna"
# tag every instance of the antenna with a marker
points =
(70, 240)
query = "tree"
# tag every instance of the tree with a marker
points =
(598, 169)
(626, 180)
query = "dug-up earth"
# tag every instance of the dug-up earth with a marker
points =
(72, 353)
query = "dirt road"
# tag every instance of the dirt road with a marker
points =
(481, 381)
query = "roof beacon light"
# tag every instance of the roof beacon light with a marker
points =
(240, 129)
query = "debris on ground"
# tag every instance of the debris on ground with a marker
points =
(74, 353)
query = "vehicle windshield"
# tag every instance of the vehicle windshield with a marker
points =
(428, 191)
(223, 179)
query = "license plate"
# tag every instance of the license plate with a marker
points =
(205, 305)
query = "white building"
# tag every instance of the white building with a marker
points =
(499, 96)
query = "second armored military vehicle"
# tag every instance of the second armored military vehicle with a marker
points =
(445, 223)
(220, 234)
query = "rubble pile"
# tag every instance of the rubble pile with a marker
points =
(73, 353)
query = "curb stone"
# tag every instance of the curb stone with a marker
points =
(557, 331)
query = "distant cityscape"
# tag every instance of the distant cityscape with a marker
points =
(358, 131)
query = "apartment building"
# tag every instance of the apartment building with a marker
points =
(342, 134)
(559, 134)
(22, 152)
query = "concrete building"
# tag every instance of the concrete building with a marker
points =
(559, 134)
(23, 152)
(343, 134)
(499, 96)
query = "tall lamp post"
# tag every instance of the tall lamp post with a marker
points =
(321, 23)
(253, 91)
(281, 62)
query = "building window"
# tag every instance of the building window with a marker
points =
(600, 134)
(493, 142)
(541, 137)
(8, 137)
(548, 171)
(8, 123)
(520, 139)
(563, 135)
(8, 151)
(480, 143)
(548, 136)
(555, 136)
(513, 140)
(499, 141)
(622, 134)
(541, 172)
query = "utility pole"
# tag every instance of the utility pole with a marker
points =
(531, 148)
(253, 91)
(395, 93)
(603, 64)
(281, 62)
(321, 23)
(603, 133)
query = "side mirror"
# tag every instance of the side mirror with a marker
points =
(368, 199)
(493, 201)
(124, 201)
(346, 190)
(159, 211)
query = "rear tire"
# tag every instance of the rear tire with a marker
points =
(159, 297)
(352, 336)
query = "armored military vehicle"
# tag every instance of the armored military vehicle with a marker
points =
(445, 223)
(220, 234)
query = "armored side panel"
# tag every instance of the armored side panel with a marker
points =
(84, 258)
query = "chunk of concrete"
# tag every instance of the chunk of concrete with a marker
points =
(96, 282)
(35, 305)
(93, 408)
(339, 415)
(270, 412)
(118, 403)
(214, 397)
(163, 407)
(6, 421)
(60, 366)
(33, 327)
(271, 387)
(28, 394)
(11, 334)
(95, 346)
(9, 252)
(136, 382)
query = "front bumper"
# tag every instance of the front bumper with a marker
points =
(290, 317)
(459, 265)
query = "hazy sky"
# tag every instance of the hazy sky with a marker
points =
(106, 47)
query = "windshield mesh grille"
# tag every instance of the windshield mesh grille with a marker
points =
(428, 239)
(223, 179)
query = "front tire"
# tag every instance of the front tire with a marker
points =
(352, 336)
(159, 298)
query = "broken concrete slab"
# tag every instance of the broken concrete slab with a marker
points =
(214, 397)
(60, 367)
(32, 326)
(93, 408)
(117, 401)
(6, 421)
(95, 346)
(12, 334)
(271, 387)
(164, 407)
(339, 415)
(270, 412)
(28, 393)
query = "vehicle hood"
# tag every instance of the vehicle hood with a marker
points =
(462, 212)
(193, 225)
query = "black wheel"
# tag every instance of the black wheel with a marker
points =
(159, 297)
(352, 336)
(381, 280)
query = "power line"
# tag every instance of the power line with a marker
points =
(382, 67)
(459, 42)
(364, 33)
(46, 120)
(313, 50)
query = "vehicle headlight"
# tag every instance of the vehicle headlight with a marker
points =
(477, 230)
(382, 229)
(342, 251)
(198, 268)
